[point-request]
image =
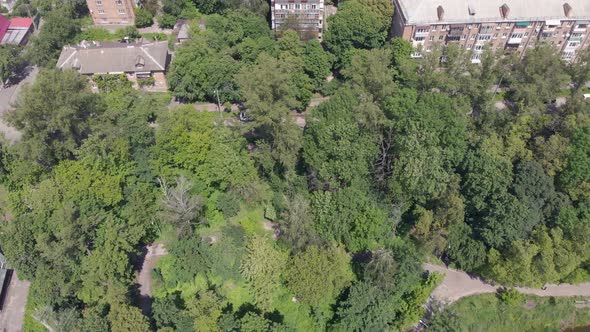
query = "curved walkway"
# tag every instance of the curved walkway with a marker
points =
(458, 284)
(144, 277)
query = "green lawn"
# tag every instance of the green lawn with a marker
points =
(487, 313)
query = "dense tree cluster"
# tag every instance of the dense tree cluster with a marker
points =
(273, 227)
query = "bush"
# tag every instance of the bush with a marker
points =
(149, 81)
(129, 31)
(143, 18)
(110, 83)
(510, 296)
(155, 36)
(228, 204)
(95, 34)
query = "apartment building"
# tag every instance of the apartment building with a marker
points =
(303, 16)
(510, 26)
(112, 12)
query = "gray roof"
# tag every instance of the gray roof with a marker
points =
(114, 58)
(457, 11)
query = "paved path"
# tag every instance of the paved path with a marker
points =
(144, 278)
(13, 312)
(8, 97)
(458, 284)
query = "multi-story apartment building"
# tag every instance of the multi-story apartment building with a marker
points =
(505, 25)
(112, 11)
(303, 16)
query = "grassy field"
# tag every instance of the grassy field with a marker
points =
(487, 313)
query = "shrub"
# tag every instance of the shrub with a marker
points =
(166, 21)
(149, 81)
(510, 296)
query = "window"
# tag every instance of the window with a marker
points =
(526, 34)
(297, 6)
(431, 38)
(119, 3)
(473, 37)
(99, 3)
(495, 35)
(422, 30)
(463, 37)
(484, 37)
(314, 6)
(516, 35)
(507, 26)
(418, 38)
(504, 35)
(441, 37)
(100, 11)
(568, 55)
(443, 28)
(121, 11)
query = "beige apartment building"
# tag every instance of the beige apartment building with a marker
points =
(510, 26)
(112, 11)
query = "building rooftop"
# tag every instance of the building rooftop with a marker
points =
(4, 23)
(92, 58)
(465, 11)
(21, 22)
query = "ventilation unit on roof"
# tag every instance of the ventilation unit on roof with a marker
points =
(471, 9)
(567, 9)
(139, 62)
(440, 12)
(504, 11)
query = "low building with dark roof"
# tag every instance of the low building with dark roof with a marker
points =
(137, 61)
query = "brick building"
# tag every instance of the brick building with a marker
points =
(303, 16)
(112, 11)
(505, 25)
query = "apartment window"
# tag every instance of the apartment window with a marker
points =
(422, 30)
(568, 55)
(431, 38)
(297, 6)
(419, 38)
(443, 28)
(495, 35)
(100, 11)
(121, 12)
(484, 37)
(473, 37)
(441, 37)
(526, 34)
(504, 35)
(99, 3)
(507, 27)
(119, 3)
(314, 6)
(516, 35)
(463, 37)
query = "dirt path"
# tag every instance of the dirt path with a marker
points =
(144, 278)
(458, 284)
(12, 315)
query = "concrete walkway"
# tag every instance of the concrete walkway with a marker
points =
(12, 315)
(8, 97)
(458, 284)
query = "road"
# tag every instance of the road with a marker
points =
(144, 278)
(458, 284)
(13, 312)
(8, 97)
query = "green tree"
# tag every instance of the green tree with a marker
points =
(354, 26)
(198, 72)
(11, 62)
(126, 318)
(317, 63)
(59, 28)
(575, 178)
(143, 18)
(262, 267)
(52, 136)
(269, 95)
(316, 276)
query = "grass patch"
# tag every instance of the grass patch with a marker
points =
(30, 324)
(487, 313)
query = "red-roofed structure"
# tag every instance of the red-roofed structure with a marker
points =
(4, 23)
(21, 23)
(16, 30)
